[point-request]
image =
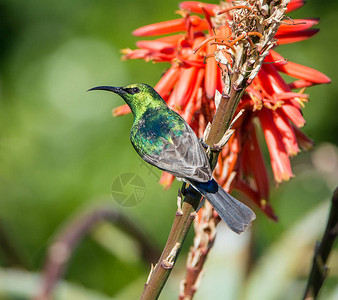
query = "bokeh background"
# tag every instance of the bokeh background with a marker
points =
(61, 150)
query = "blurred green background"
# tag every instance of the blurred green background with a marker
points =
(61, 149)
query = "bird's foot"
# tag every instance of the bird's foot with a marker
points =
(205, 146)
(214, 148)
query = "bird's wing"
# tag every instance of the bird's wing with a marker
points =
(183, 156)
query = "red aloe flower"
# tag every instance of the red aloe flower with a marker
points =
(190, 83)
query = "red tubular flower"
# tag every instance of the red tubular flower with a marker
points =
(171, 26)
(295, 4)
(189, 86)
(196, 7)
(280, 162)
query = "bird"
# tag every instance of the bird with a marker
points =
(165, 140)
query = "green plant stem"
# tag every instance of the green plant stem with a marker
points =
(182, 222)
(319, 269)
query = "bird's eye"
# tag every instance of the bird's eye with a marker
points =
(132, 91)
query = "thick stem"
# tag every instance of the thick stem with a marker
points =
(182, 222)
(319, 269)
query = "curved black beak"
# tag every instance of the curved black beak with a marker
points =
(116, 90)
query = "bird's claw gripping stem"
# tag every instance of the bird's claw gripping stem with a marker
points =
(214, 148)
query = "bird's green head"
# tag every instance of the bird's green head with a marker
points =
(139, 96)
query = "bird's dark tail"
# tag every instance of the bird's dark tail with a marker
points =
(233, 212)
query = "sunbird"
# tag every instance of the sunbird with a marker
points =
(165, 140)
